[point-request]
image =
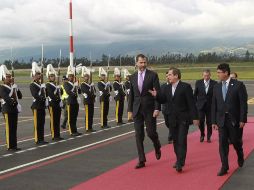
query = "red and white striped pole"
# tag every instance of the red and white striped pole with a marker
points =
(71, 37)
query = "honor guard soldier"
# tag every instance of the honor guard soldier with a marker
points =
(104, 90)
(127, 86)
(55, 103)
(88, 91)
(119, 96)
(39, 104)
(10, 94)
(72, 90)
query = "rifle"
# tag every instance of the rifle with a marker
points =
(120, 68)
(108, 67)
(91, 67)
(13, 76)
(59, 70)
(42, 78)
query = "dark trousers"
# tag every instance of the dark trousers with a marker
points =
(170, 138)
(39, 122)
(180, 133)
(205, 116)
(65, 111)
(234, 133)
(140, 119)
(89, 109)
(55, 115)
(11, 120)
(72, 110)
(119, 110)
(104, 113)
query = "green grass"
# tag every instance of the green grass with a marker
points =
(245, 71)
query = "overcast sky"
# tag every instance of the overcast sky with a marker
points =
(25, 23)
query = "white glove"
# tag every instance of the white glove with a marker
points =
(85, 95)
(43, 85)
(110, 98)
(76, 84)
(58, 87)
(14, 86)
(128, 91)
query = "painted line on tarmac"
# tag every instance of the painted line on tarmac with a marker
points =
(60, 156)
(65, 131)
(56, 142)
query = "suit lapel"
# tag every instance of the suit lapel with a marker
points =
(221, 95)
(230, 86)
(135, 77)
(145, 79)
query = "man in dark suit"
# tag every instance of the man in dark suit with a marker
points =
(203, 94)
(229, 115)
(179, 98)
(143, 107)
(165, 111)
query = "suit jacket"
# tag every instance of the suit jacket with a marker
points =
(72, 93)
(53, 94)
(164, 107)
(203, 100)
(119, 91)
(235, 103)
(8, 99)
(143, 99)
(181, 106)
(88, 91)
(38, 96)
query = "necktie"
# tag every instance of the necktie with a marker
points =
(206, 86)
(140, 81)
(224, 89)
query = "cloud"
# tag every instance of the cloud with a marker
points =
(27, 23)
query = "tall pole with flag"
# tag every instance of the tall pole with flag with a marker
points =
(71, 36)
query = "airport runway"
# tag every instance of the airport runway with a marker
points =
(64, 164)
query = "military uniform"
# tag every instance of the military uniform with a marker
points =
(38, 107)
(119, 98)
(72, 107)
(88, 91)
(104, 90)
(64, 100)
(9, 101)
(53, 94)
(127, 85)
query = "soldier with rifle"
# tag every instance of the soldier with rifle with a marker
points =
(104, 90)
(10, 94)
(88, 91)
(55, 103)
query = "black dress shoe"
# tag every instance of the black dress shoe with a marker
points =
(170, 141)
(14, 149)
(105, 127)
(140, 165)
(158, 154)
(120, 123)
(76, 134)
(58, 139)
(179, 168)
(202, 139)
(222, 172)
(63, 127)
(90, 130)
(240, 161)
(209, 140)
(174, 166)
(130, 120)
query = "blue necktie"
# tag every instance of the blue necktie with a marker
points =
(224, 89)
